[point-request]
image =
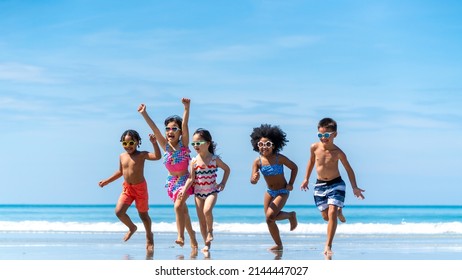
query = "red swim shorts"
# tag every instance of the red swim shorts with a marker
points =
(137, 193)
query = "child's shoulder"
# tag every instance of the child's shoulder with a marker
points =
(282, 158)
(279, 155)
(315, 145)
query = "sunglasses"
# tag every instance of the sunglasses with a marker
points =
(267, 144)
(174, 129)
(325, 134)
(198, 143)
(129, 143)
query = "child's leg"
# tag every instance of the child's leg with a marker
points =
(209, 203)
(282, 215)
(331, 228)
(180, 219)
(273, 212)
(189, 228)
(340, 216)
(144, 216)
(202, 223)
(121, 213)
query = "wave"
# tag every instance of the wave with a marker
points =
(236, 228)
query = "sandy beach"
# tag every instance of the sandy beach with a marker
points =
(26, 255)
(109, 246)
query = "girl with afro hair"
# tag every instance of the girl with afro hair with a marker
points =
(268, 141)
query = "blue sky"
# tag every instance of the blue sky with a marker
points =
(72, 74)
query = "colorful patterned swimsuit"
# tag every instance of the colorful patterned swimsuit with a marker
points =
(205, 182)
(176, 161)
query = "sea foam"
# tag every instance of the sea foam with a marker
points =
(238, 228)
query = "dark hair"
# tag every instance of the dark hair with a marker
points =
(205, 134)
(174, 118)
(133, 134)
(274, 133)
(328, 124)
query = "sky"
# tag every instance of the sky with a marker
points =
(72, 74)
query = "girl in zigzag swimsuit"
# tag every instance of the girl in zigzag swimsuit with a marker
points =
(203, 177)
(205, 183)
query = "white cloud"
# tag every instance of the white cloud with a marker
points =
(297, 41)
(266, 47)
(17, 72)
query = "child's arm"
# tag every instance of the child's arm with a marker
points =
(226, 172)
(351, 176)
(293, 171)
(159, 136)
(156, 155)
(114, 176)
(189, 181)
(185, 126)
(309, 168)
(255, 173)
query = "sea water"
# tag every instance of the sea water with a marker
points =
(235, 219)
(93, 232)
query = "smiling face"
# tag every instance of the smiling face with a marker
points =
(199, 144)
(172, 132)
(326, 136)
(265, 146)
(129, 144)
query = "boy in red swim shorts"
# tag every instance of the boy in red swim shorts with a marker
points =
(134, 185)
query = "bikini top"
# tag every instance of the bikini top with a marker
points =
(206, 175)
(271, 170)
(176, 161)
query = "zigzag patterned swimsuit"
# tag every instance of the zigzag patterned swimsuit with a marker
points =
(205, 182)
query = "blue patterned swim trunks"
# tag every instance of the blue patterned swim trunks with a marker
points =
(329, 193)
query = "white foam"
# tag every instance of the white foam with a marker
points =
(239, 228)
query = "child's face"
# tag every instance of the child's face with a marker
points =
(265, 146)
(326, 136)
(129, 144)
(172, 132)
(199, 144)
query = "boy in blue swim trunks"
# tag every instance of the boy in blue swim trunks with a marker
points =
(329, 190)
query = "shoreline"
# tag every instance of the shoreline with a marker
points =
(109, 246)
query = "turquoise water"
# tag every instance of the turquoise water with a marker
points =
(94, 232)
(234, 218)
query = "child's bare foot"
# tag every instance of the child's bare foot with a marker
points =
(328, 251)
(150, 243)
(340, 216)
(276, 248)
(293, 220)
(180, 241)
(277, 254)
(207, 246)
(130, 233)
(209, 237)
(193, 241)
(193, 253)
(206, 255)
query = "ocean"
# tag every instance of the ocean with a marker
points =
(31, 232)
(234, 219)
